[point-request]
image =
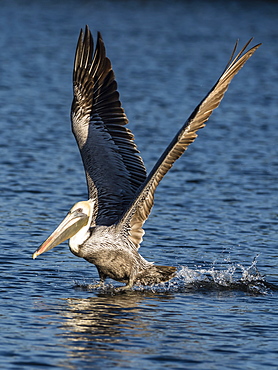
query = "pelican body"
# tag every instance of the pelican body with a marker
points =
(107, 229)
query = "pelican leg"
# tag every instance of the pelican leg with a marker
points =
(102, 278)
(129, 284)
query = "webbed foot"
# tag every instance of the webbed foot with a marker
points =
(124, 288)
(98, 285)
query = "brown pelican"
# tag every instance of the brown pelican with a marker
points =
(107, 229)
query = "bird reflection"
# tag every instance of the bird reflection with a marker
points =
(105, 323)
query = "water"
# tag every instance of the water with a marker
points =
(215, 214)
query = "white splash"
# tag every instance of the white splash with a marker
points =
(231, 277)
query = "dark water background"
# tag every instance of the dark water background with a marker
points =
(215, 214)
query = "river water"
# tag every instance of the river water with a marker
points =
(215, 214)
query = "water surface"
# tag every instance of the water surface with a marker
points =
(215, 214)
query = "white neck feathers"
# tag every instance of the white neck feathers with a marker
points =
(83, 234)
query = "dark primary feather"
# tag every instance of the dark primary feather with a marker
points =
(114, 170)
(140, 208)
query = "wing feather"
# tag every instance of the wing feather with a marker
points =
(139, 210)
(113, 167)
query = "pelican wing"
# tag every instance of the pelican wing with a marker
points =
(114, 170)
(139, 210)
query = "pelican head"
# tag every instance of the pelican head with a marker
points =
(75, 225)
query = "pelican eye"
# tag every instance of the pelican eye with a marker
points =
(79, 210)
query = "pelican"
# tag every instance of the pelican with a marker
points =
(107, 229)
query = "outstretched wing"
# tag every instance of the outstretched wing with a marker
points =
(139, 210)
(114, 170)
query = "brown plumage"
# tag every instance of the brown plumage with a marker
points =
(107, 229)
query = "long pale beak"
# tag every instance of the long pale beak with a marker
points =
(73, 222)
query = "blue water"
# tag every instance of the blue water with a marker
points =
(215, 214)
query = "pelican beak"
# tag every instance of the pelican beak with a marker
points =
(73, 222)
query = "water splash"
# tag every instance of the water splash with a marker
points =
(234, 277)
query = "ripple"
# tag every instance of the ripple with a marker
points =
(214, 211)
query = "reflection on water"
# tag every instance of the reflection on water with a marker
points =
(103, 317)
(116, 323)
(107, 325)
